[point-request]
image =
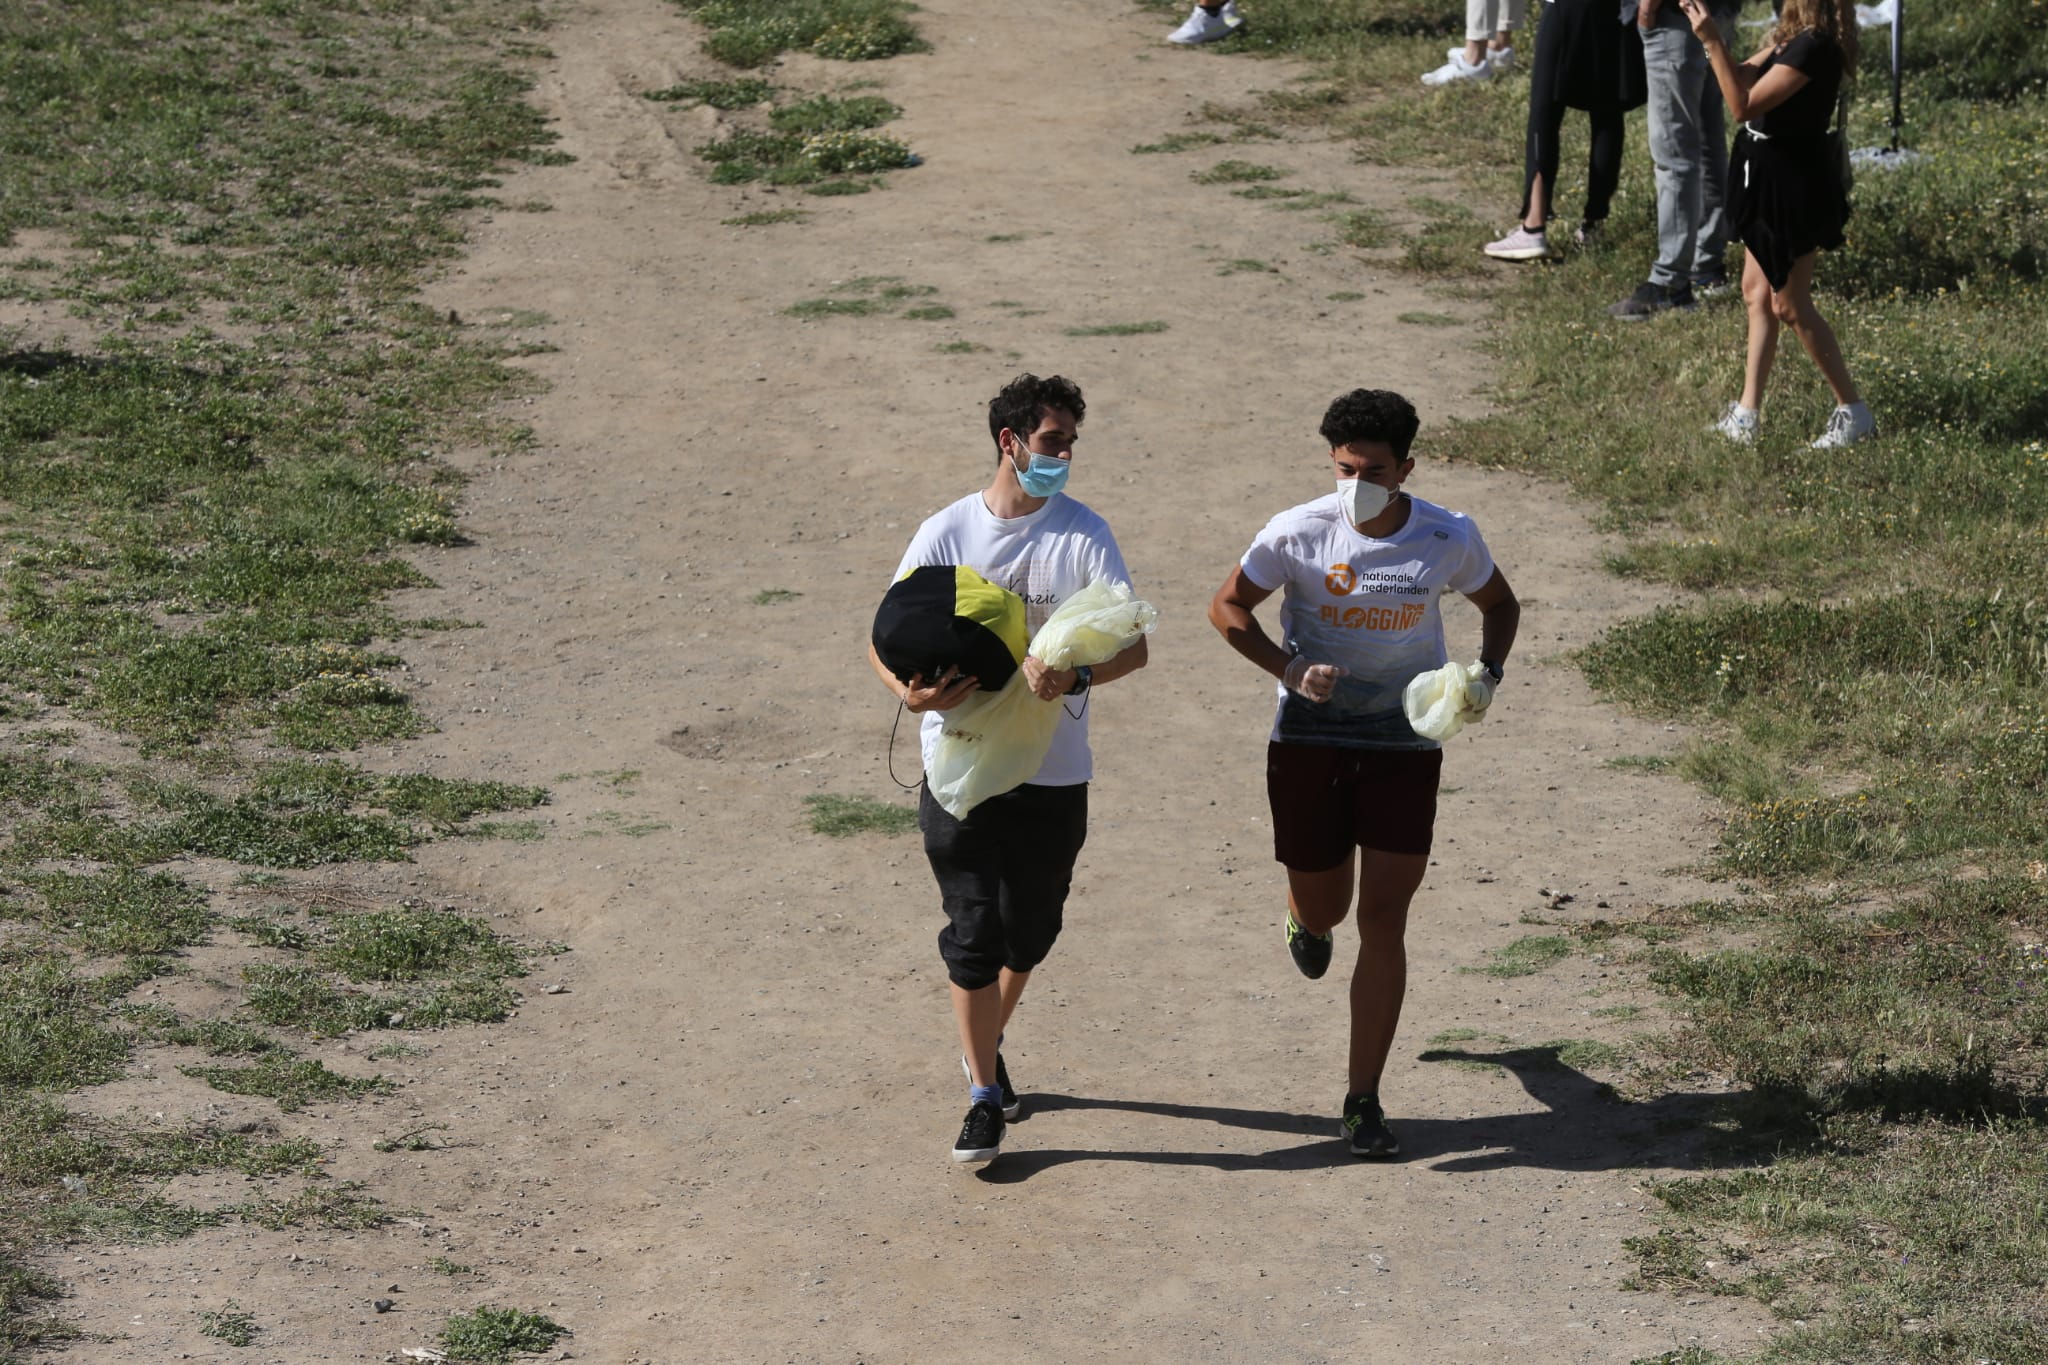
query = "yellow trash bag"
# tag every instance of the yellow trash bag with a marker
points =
(1439, 703)
(994, 741)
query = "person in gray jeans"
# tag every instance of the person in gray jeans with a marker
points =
(1689, 144)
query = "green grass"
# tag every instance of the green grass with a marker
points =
(1526, 956)
(774, 597)
(1235, 172)
(1117, 329)
(230, 1324)
(497, 1334)
(767, 218)
(1364, 229)
(294, 1082)
(1246, 265)
(210, 495)
(841, 816)
(1178, 142)
(752, 33)
(743, 92)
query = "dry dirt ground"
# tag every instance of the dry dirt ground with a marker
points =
(726, 1138)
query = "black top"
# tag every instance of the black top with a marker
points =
(1812, 107)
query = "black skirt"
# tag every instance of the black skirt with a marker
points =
(1586, 59)
(1784, 200)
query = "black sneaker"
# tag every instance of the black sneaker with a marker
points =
(981, 1136)
(1311, 952)
(1651, 299)
(1012, 1106)
(1366, 1128)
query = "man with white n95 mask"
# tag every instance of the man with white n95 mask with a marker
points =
(1351, 784)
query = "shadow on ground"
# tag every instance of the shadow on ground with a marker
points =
(1582, 1127)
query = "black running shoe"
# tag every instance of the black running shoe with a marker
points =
(981, 1136)
(1365, 1126)
(1311, 951)
(1012, 1106)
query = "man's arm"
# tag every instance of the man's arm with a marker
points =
(1049, 683)
(943, 695)
(1500, 614)
(1230, 611)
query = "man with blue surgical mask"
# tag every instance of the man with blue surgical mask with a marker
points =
(1003, 872)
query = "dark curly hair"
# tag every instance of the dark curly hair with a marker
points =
(1022, 404)
(1372, 415)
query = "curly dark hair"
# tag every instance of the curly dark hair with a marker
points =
(1022, 404)
(1372, 415)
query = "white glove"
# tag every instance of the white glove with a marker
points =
(1314, 681)
(1478, 693)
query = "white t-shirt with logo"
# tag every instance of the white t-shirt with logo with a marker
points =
(1368, 605)
(1044, 558)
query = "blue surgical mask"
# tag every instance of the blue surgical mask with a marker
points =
(1044, 476)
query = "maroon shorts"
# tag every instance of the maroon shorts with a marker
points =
(1326, 801)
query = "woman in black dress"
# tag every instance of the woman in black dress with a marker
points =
(1585, 59)
(1785, 199)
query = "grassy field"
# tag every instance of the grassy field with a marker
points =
(1862, 662)
(224, 415)
(221, 425)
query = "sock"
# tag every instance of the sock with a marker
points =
(991, 1094)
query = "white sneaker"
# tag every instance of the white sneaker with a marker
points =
(1204, 27)
(1846, 426)
(1502, 61)
(1519, 245)
(1738, 424)
(1458, 69)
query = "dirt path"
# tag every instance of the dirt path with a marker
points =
(726, 1139)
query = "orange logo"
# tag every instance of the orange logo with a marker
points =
(1407, 616)
(1340, 580)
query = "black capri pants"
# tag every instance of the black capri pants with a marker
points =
(1003, 875)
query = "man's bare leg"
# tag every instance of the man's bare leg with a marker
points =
(1387, 882)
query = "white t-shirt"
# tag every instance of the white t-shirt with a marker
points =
(1366, 604)
(1044, 558)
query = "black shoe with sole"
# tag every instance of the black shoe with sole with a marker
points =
(1651, 299)
(1012, 1106)
(981, 1136)
(1311, 952)
(1365, 1126)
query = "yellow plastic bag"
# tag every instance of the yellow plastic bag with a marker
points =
(994, 741)
(1436, 701)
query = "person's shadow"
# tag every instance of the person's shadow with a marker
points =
(1583, 1127)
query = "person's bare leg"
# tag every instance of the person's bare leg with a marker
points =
(1319, 901)
(1011, 986)
(1475, 51)
(1794, 304)
(1763, 333)
(1387, 882)
(1539, 199)
(979, 1013)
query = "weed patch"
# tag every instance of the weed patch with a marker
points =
(496, 1334)
(840, 816)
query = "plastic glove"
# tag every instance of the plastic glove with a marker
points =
(1314, 681)
(1478, 693)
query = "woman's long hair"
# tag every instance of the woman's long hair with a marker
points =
(1834, 18)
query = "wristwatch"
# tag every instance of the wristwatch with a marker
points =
(1493, 670)
(1084, 677)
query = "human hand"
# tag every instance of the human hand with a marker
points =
(1478, 693)
(1315, 681)
(947, 692)
(1703, 25)
(1047, 683)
